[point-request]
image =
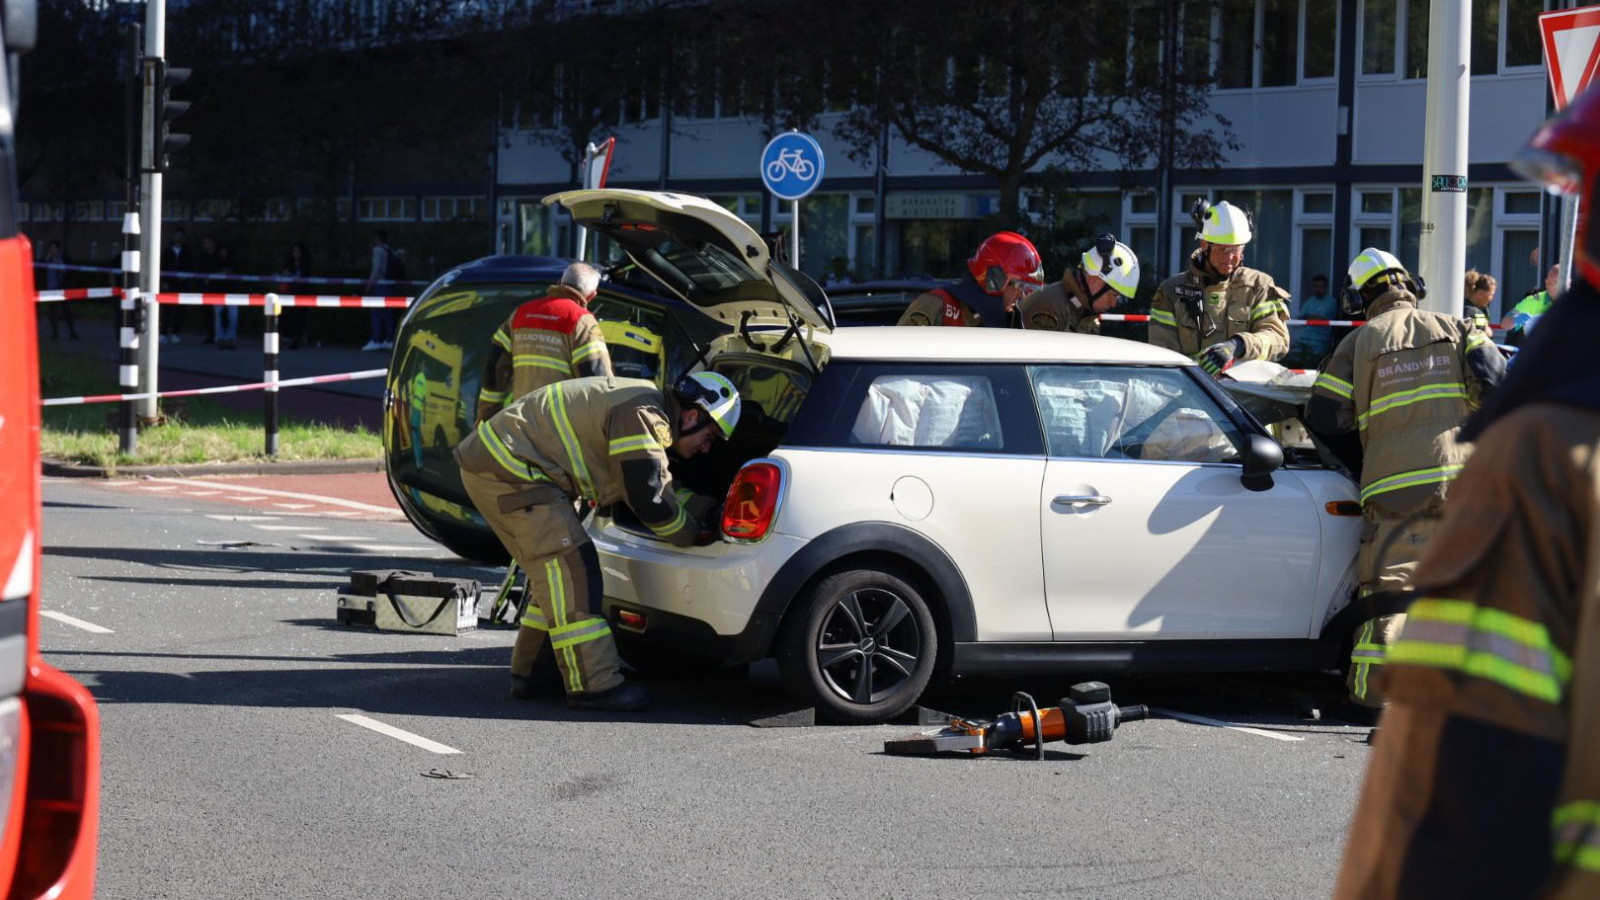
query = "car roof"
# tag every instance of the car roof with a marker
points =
(991, 345)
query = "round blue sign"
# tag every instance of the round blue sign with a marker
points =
(791, 166)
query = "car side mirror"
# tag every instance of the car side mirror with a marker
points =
(1262, 457)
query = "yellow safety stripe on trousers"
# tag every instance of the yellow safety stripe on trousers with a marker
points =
(1486, 643)
(1414, 478)
(584, 351)
(625, 445)
(1333, 384)
(503, 338)
(540, 361)
(1271, 306)
(579, 632)
(1477, 338)
(558, 605)
(533, 617)
(1163, 317)
(1576, 828)
(487, 396)
(1396, 400)
(503, 455)
(1363, 657)
(569, 440)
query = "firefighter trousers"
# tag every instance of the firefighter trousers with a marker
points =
(1390, 551)
(564, 588)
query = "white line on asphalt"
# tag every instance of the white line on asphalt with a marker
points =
(247, 519)
(158, 487)
(202, 493)
(264, 492)
(334, 538)
(1218, 723)
(65, 619)
(295, 505)
(287, 528)
(398, 734)
(243, 497)
(339, 514)
(398, 548)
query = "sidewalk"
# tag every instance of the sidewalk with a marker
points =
(196, 364)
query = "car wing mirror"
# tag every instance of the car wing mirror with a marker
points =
(1262, 457)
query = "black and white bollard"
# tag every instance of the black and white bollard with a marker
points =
(269, 340)
(128, 333)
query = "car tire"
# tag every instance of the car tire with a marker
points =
(860, 646)
(651, 661)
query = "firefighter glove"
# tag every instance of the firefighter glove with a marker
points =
(1218, 357)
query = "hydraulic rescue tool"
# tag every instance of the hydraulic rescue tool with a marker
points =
(1085, 716)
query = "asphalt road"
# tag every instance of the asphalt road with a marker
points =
(229, 772)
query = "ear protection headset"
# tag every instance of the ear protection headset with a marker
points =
(1352, 303)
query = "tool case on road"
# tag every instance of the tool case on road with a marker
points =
(417, 602)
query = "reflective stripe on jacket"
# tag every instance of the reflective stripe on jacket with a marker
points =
(543, 341)
(1247, 304)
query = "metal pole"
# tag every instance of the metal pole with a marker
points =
(149, 351)
(794, 236)
(1443, 246)
(269, 342)
(1569, 238)
(880, 198)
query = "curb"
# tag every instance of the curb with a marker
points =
(59, 469)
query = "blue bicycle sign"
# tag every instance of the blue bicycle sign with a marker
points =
(791, 165)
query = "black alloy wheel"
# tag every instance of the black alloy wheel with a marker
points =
(863, 649)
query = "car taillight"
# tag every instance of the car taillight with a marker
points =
(752, 502)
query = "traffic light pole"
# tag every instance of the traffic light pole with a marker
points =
(155, 47)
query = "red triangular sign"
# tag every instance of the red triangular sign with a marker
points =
(1571, 50)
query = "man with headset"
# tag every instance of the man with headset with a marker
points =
(606, 440)
(1405, 381)
(1107, 274)
(1219, 311)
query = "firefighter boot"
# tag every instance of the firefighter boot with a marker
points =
(625, 697)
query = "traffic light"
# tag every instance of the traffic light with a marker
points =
(169, 143)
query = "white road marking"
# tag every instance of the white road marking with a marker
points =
(334, 538)
(243, 497)
(65, 619)
(398, 548)
(288, 528)
(202, 493)
(249, 519)
(339, 514)
(398, 734)
(291, 495)
(1218, 723)
(158, 487)
(295, 505)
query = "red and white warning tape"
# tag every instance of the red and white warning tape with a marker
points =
(79, 294)
(183, 299)
(225, 389)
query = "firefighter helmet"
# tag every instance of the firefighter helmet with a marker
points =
(715, 394)
(1005, 257)
(1373, 268)
(1114, 263)
(1564, 155)
(1222, 223)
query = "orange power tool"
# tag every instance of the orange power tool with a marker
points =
(1085, 716)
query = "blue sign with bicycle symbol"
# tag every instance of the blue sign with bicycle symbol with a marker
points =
(791, 166)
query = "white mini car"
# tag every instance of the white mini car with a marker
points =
(910, 502)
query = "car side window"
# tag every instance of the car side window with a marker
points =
(1131, 412)
(947, 411)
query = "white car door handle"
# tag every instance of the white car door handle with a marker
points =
(1091, 499)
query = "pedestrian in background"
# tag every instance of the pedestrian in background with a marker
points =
(381, 320)
(53, 277)
(1485, 778)
(1219, 311)
(225, 319)
(176, 258)
(205, 262)
(1479, 295)
(1520, 321)
(292, 324)
(1315, 341)
(1405, 381)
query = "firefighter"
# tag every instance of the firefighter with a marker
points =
(1106, 275)
(1405, 382)
(546, 340)
(1219, 311)
(1005, 269)
(1485, 779)
(606, 440)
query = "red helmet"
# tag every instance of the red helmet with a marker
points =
(1564, 154)
(1005, 257)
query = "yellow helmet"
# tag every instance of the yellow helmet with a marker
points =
(715, 394)
(1371, 263)
(1114, 263)
(1222, 223)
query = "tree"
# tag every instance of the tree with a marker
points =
(1006, 87)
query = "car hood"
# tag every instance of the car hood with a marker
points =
(703, 253)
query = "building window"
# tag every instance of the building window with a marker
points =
(1379, 20)
(1521, 33)
(452, 209)
(1320, 39)
(1280, 42)
(1505, 35)
(386, 209)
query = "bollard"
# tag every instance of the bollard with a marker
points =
(128, 333)
(269, 340)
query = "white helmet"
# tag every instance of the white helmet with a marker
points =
(716, 395)
(1115, 264)
(1371, 263)
(1223, 223)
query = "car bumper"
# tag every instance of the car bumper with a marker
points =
(696, 599)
